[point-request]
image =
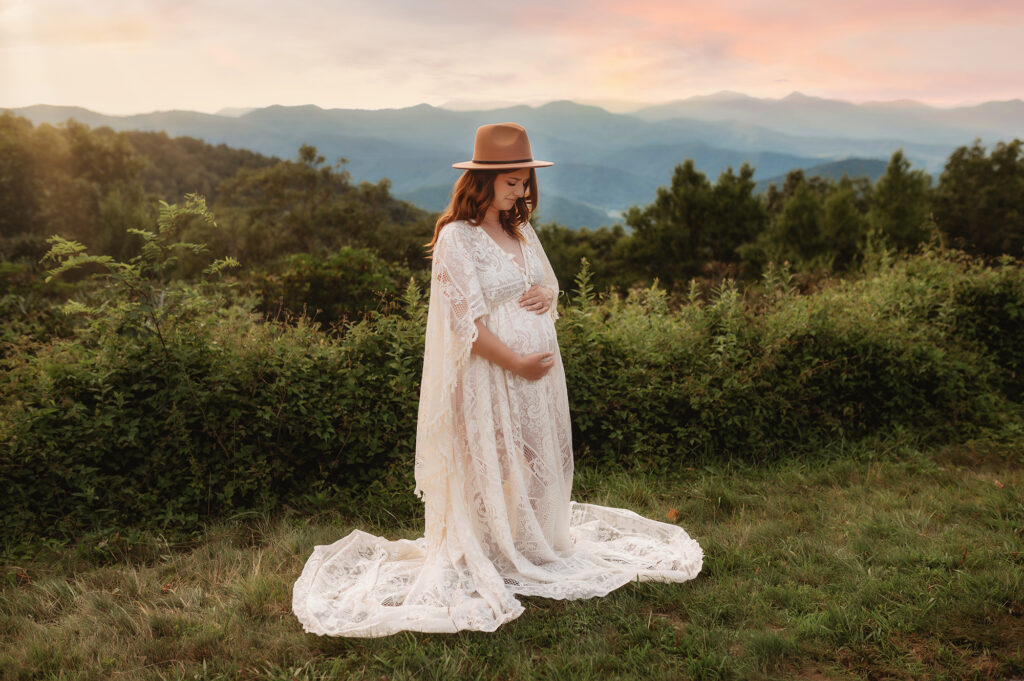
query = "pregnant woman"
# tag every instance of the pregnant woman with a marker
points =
(494, 458)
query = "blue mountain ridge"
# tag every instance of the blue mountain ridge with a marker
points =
(604, 162)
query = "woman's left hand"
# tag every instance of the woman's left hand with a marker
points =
(537, 299)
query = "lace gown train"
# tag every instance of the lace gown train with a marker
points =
(494, 468)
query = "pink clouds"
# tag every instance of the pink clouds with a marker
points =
(913, 48)
(216, 53)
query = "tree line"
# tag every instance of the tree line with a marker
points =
(696, 228)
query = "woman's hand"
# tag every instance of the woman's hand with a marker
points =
(538, 299)
(536, 365)
(530, 367)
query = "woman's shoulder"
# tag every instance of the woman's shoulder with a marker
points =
(527, 229)
(455, 228)
(455, 233)
(456, 225)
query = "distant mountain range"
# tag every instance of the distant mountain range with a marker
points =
(799, 114)
(604, 161)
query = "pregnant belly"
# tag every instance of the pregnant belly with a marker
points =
(523, 330)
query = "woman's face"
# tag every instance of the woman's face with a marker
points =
(510, 186)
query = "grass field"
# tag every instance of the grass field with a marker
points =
(877, 563)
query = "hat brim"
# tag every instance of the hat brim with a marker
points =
(473, 165)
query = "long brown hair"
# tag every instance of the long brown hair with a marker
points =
(472, 195)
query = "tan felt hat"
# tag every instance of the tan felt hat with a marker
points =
(501, 146)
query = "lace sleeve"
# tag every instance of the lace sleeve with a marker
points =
(550, 281)
(455, 274)
(456, 302)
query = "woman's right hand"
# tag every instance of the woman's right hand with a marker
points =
(536, 365)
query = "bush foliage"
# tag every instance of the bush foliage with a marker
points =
(345, 284)
(177, 402)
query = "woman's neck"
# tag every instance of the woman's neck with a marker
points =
(492, 216)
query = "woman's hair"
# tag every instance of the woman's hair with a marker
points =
(473, 193)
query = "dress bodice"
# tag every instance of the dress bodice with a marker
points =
(502, 279)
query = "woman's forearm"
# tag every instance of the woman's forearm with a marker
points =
(490, 347)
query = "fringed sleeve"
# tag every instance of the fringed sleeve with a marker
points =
(456, 302)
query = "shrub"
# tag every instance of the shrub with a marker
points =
(28, 307)
(172, 406)
(344, 285)
(724, 380)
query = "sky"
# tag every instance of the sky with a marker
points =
(134, 56)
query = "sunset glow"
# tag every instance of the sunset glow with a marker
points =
(132, 56)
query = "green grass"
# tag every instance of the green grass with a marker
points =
(880, 562)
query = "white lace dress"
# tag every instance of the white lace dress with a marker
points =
(494, 468)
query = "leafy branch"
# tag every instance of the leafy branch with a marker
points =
(141, 301)
(143, 297)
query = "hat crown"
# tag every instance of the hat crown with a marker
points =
(501, 143)
(501, 146)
